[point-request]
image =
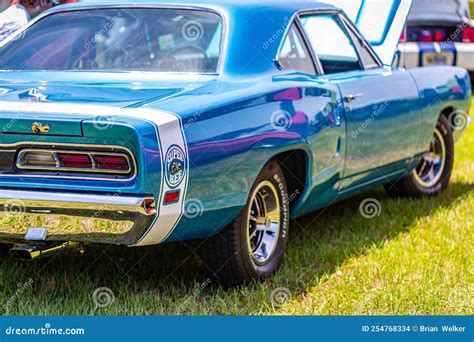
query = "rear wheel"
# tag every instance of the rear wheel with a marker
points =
(252, 246)
(433, 174)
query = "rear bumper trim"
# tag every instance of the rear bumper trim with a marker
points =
(49, 200)
(114, 219)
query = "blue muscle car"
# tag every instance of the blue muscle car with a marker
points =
(138, 123)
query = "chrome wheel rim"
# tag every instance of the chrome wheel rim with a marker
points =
(431, 169)
(264, 223)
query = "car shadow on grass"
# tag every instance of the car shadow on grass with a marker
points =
(171, 279)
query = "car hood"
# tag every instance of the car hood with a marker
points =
(380, 21)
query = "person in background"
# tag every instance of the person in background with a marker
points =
(19, 14)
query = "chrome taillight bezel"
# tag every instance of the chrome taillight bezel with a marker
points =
(21, 165)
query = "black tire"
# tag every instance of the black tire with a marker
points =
(413, 185)
(5, 250)
(229, 255)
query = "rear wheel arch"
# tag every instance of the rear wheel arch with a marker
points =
(295, 166)
(449, 113)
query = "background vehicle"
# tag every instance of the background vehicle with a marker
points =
(438, 33)
(133, 131)
(5, 3)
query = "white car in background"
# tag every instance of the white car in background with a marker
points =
(438, 33)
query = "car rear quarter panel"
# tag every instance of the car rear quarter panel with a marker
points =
(441, 89)
(233, 135)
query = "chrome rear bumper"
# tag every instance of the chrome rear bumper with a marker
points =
(114, 219)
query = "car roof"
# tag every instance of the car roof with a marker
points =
(224, 5)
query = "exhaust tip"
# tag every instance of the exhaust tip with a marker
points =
(21, 254)
(34, 251)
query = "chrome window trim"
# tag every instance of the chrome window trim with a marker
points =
(111, 148)
(363, 43)
(56, 10)
(294, 20)
(345, 24)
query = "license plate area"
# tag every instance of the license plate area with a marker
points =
(438, 58)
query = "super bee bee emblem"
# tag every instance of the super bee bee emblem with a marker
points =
(175, 166)
(39, 128)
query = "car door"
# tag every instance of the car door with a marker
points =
(382, 122)
(314, 106)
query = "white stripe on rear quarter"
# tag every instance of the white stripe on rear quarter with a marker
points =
(169, 131)
(168, 215)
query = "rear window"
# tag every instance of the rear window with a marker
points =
(119, 39)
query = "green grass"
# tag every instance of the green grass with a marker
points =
(414, 258)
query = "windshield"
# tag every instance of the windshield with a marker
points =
(119, 39)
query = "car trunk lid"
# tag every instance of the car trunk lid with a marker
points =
(68, 89)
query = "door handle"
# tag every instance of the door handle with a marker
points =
(352, 97)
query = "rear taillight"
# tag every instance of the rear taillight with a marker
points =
(74, 161)
(105, 162)
(426, 36)
(439, 36)
(468, 35)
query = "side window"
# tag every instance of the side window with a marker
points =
(294, 54)
(333, 46)
(369, 61)
(367, 58)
